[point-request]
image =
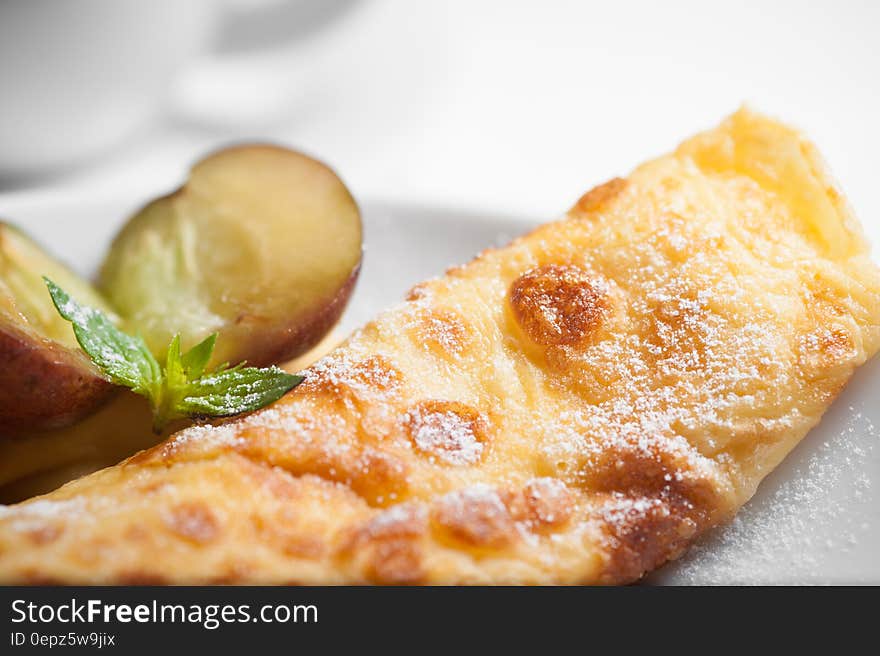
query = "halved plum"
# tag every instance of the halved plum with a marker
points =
(46, 381)
(261, 244)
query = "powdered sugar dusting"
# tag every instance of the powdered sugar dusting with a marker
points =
(362, 376)
(445, 435)
(40, 512)
(622, 509)
(462, 502)
(225, 435)
(402, 518)
(808, 523)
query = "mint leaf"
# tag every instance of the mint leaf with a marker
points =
(236, 390)
(124, 359)
(196, 359)
(182, 388)
(172, 389)
(175, 373)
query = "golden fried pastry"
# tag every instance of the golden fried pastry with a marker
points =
(577, 407)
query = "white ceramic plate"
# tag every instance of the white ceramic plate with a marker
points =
(816, 519)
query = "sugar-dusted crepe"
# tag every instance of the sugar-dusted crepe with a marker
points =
(577, 407)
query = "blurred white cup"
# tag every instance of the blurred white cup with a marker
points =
(77, 77)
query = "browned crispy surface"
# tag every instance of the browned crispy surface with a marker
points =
(576, 407)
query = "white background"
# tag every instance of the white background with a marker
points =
(512, 107)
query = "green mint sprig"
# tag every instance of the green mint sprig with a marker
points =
(183, 388)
